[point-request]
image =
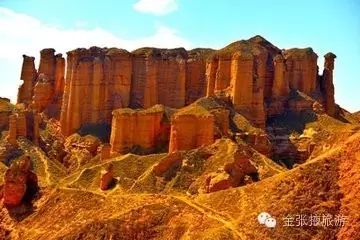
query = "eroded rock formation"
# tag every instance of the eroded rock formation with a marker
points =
(6, 109)
(241, 72)
(97, 82)
(12, 129)
(24, 124)
(136, 129)
(19, 180)
(105, 152)
(327, 85)
(280, 86)
(301, 65)
(141, 79)
(171, 161)
(80, 150)
(233, 173)
(28, 75)
(257, 76)
(42, 90)
(221, 119)
(191, 127)
(159, 76)
(43, 93)
(258, 79)
(107, 178)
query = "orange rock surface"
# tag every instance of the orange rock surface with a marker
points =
(28, 75)
(266, 124)
(12, 129)
(43, 89)
(21, 124)
(88, 93)
(105, 151)
(191, 128)
(159, 76)
(107, 178)
(43, 93)
(301, 65)
(4, 119)
(195, 74)
(221, 118)
(169, 161)
(18, 180)
(24, 124)
(241, 72)
(281, 84)
(135, 128)
(143, 78)
(48, 63)
(254, 75)
(327, 85)
(36, 128)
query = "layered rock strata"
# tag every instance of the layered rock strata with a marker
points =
(256, 77)
(241, 73)
(301, 65)
(191, 127)
(101, 80)
(137, 129)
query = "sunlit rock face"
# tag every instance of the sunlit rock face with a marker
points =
(100, 80)
(301, 65)
(253, 75)
(137, 129)
(97, 81)
(191, 127)
(243, 72)
(42, 89)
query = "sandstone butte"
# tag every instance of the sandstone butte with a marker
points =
(191, 127)
(141, 128)
(253, 75)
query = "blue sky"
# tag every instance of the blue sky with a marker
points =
(325, 25)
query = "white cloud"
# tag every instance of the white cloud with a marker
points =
(156, 7)
(23, 34)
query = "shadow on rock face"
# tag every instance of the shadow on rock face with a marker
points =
(101, 130)
(280, 129)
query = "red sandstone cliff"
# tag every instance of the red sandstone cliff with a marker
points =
(254, 75)
(42, 90)
(301, 65)
(191, 127)
(241, 72)
(97, 81)
(141, 129)
(141, 79)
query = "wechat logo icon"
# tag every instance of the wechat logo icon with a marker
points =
(265, 218)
